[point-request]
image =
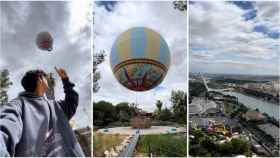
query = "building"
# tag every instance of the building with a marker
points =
(201, 105)
(271, 130)
(141, 122)
(253, 116)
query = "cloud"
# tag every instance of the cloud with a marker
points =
(160, 16)
(220, 29)
(71, 29)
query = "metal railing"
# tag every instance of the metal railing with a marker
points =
(128, 151)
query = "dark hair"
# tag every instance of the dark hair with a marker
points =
(29, 80)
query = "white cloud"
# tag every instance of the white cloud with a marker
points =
(268, 13)
(219, 29)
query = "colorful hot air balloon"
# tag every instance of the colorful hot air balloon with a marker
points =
(140, 58)
(44, 41)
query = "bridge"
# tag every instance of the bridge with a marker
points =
(211, 89)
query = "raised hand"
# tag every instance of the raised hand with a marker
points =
(61, 72)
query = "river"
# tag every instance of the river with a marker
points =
(253, 103)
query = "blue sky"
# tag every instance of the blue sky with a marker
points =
(240, 37)
(108, 5)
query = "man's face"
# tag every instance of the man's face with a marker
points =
(42, 83)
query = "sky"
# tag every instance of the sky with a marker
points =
(70, 25)
(234, 37)
(111, 19)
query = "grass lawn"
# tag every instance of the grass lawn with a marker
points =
(102, 142)
(164, 145)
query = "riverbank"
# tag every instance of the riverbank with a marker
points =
(259, 95)
(255, 103)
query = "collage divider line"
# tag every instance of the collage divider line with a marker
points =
(91, 52)
(187, 77)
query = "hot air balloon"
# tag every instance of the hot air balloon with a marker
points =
(140, 58)
(44, 41)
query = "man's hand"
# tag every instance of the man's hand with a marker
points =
(61, 72)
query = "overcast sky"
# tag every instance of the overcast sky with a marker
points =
(111, 19)
(235, 37)
(70, 26)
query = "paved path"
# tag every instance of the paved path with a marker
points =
(152, 130)
(129, 150)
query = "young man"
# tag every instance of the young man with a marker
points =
(31, 125)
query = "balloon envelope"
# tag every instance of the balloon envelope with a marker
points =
(44, 41)
(140, 58)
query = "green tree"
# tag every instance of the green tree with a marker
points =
(225, 149)
(180, 5)
(198, 135)
(196, 89)
(240, 146)
(123, 116)
(133, 109)
(5, 83)
(158, 110)
(123, 112)
(103, 113)
(207, 143)
(165, 114)
(98, 58)
(179, 106)
(159, 105)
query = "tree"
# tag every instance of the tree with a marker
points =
(225, 149)
(98, 58)
(159, 105)
(158, 110)
(180, 5)
(179, 105)
(240, 146)
(165, 114)
(198, 135)
(123, 116)
(196, 89)
(133, 109)
(103, 113)
(5, 83)
(123, 112)
(235, 147)
(207, 143)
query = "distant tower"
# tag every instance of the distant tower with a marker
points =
(51, 82)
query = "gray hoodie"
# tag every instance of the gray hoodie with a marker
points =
(35, 126)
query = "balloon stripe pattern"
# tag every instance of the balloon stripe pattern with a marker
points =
(140, 58)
